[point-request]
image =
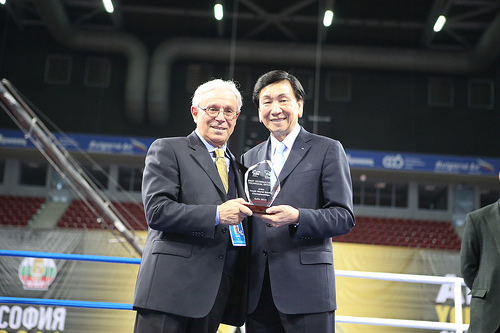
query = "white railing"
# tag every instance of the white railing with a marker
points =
(458, 326)
(458, 282)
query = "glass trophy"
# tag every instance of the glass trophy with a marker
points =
(261, 186)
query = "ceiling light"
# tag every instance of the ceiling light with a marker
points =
(2, 2)
(328, 18)
(108, 5)
(218, 11)
(439, 23)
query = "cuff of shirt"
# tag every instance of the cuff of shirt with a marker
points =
(217, 217)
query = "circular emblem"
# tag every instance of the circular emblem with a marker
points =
(37, 273)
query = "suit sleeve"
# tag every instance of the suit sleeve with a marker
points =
(166, 207)
(334, 216)
(470, 252)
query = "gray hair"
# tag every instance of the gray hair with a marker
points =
(213, 84)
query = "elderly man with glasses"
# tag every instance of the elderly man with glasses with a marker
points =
(193, 270)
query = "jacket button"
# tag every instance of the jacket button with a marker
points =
(224, 230)
(264, 253)
(221, 256)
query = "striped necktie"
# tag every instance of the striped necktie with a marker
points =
(220, 162)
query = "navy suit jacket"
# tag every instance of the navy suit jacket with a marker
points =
(316, 180)
(184, 254)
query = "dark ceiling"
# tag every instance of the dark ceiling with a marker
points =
(366, 23)
(366, 36)
(391, 35)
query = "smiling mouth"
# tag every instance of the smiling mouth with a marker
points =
(219, 128)
(277, 120)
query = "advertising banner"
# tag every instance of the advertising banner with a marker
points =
(393, 161)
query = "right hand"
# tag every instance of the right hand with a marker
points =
(232, 212)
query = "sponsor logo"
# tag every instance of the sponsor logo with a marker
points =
(13, 141)
(361, 161)
(393, 161)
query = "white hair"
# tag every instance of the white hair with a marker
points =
(213, 84)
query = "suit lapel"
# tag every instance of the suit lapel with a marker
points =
(300, 148)
(201, 157)
(238, 170)
(263, 153)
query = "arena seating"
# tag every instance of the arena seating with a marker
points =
(403, 232)
(18, 210)
(80, 215)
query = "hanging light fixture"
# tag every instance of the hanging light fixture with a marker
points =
(439, 23)
(328, 18)
(218, 10)
(108, 5)
(328, 14)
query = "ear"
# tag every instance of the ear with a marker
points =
(301, 108)
(260, 116)
(194, 113)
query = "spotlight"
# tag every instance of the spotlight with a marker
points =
(218, 11)
(439, 23)
(108, 5)
(328, 18)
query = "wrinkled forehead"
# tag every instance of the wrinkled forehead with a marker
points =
(220, 96)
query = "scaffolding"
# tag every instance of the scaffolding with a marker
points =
(66, 166)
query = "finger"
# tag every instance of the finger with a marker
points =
(273, 210)
(247, 211)
(240, 200)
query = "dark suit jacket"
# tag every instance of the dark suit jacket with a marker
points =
(316, 180)
(480, 261)
(183, 258)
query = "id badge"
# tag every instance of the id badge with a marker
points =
(237, 235)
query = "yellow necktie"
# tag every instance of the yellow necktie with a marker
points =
(220, 162)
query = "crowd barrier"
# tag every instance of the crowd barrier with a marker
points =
(458, 282)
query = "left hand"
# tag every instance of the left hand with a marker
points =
(281, 215)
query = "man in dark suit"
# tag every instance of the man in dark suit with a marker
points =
(192, 273)
(292, 279)
(480, 263)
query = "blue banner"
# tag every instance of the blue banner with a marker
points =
(358, 159)
(424, 163)
(82, 142)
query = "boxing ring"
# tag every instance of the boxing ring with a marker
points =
(457, 283)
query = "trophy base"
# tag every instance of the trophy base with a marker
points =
(258, 209)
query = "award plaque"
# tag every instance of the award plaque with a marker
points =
(261, 186)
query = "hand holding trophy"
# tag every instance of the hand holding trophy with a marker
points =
(261, 186)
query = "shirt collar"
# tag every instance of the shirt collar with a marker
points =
(210, 147)
(288, 140)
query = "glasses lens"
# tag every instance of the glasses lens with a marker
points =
(229, 114)
(213, 111)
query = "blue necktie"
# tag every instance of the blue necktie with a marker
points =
(279, 158)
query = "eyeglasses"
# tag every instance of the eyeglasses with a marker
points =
(214, 110)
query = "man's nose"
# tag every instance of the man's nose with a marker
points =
(220, 115)
(275, 107)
